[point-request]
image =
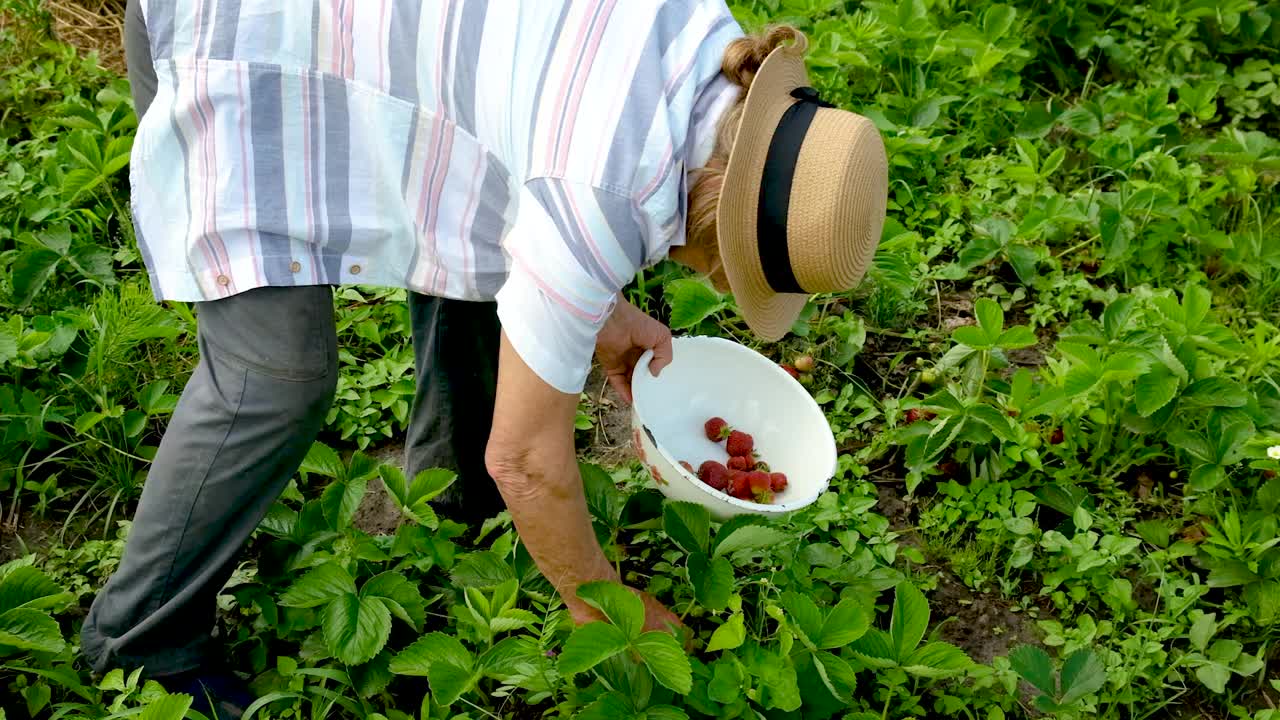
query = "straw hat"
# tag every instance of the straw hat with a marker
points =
(803, 199)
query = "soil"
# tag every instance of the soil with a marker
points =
(30, 534)
(983, 624)
(609, 443)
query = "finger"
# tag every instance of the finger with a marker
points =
(622, 385)
(662, 351)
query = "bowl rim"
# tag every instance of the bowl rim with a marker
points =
(770, 509)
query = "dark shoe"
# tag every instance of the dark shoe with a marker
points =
(218, 694)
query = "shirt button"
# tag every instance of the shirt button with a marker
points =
(223, 280)
(295, 266)
(355, 269)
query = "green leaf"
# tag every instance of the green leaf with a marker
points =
(836, 674)
(603, 499)
(1214, 676)
(1080, 380)
(1154, 390)
(725, 686)
(402, 597)
(712, 581)
(589, 646)
(623, 607)
(1035, 666)
(30, 271)
(730, 635)
(1229, 573)
(28, 586)
(666, 660)
(417, 659)
(323, 460)
(373, 677)
(937, 659)
(1081, 120)
(483, 570)
(30, 629)
(804, 614)
(747, 537)
(1082, 675)
(1019, 336)
(414, 498)
(612, 705)
(341, 500)
(691, 302)
(875, 649)
(1118, 315)
(356, 629)
(1203, 630)
(663, 712)
(320, 585)
(167, 707)
(846, 623)
(972, 336)
(910, 619)
(990, 318)
(688, 525)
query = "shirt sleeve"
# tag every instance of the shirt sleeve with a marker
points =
(573, 247)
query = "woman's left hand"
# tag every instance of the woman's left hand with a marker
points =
(625, 336)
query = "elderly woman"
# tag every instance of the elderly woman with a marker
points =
(511, 164)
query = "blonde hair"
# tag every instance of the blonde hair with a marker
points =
(742, 58)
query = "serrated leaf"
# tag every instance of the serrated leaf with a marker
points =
(804, 613)
(846, 623)
(937, 659)
(323, 460)
(603, 499)
(990, 317)
(1081, 120)
(483, 570)
(320, 585)
(167, 707)
(372, 677)
(1035, 666)
(414, 497)
(1154, 389)
(688, 525)
(341, 500)
(356, 629)
(1203, 630)
(836, 674)
(666, 660)
(712, 581)
(622, 607)
(663, 712)
(875, 649)
(691, 302)
(30, 271)
(404, 600)
(910, 619)
(417, 659)
(591, 645)
(1019, 336)
(1080, 380)
(609, 706)
(730, 635)
(747, 537)
(1082, 675)
(30, 629)
(972, 336)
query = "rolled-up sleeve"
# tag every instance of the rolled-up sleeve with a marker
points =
(573, 247)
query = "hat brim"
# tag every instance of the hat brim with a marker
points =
(769, 314)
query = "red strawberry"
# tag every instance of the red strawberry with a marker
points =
(717, 429)
(1268, 474)
(791, 371)
(913, 415)
(759, 481)
(740, 444)
(738, 485)
(714, 474)
(777, 482)
(1057, 437)
(686, 466)
(741, 463)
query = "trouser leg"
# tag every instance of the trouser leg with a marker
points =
(251, 410)
(456, 350)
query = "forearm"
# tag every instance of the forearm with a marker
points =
(544, 494)
(531, 457)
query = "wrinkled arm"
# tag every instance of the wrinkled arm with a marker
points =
(531, 456)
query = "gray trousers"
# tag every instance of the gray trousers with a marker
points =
(255, 403)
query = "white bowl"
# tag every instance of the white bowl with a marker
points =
(714, 377)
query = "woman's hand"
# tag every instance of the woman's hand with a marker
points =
(625, 336)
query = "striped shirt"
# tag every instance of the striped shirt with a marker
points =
(532, 152)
